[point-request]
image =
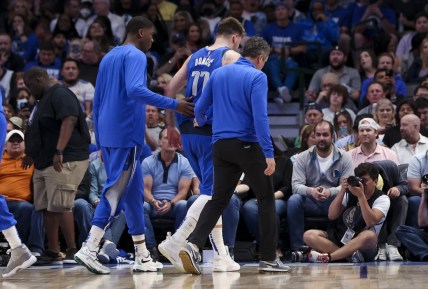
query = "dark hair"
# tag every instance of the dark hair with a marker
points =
(421, 102)
(70, 60)
(341, 90)
(229, 26)
(348, 117)
(367, 169)
(255, 46)
(47, 45)
(374, 82)
(36, 71)
(359, 118)
(419, 87)
(160, 133)
(421, 14)
(322, 122)
(408, 101)
(372, 56)
(136, 23)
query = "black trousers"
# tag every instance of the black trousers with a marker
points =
(231, 157)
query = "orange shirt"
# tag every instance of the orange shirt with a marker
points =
(15, 182)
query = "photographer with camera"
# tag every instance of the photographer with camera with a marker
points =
(317, 175)
(415, 239)
(358, 211)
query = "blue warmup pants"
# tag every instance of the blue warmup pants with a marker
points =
(6, 218)
(198, 149)
(123, 190)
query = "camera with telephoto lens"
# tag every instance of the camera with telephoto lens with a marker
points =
(298, 256)
(354, 181)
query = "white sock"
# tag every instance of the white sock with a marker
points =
(12, 237)
(182, 233)
(189, 223)
(94, 238)
(140, 245)
(216, 239)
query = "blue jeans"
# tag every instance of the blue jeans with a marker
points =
(412, 211)
(178, 213)
(29, 225)
(230, 220)
(273, 71)
(415, 240)
(83, 214)
(250, 213)
(298, 207)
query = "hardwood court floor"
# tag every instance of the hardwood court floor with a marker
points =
(303, 276)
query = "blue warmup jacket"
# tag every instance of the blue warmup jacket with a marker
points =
(238, 94)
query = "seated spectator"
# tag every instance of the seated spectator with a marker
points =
(348, 76)
(72, 9)
(194, 39)
(99, 31)
(20, 98)
(419, 66)
(358, 213)
(375, 92)
(84, 209)
(305, 140)
(163, 80)
(253, 14)
(61, 44)
(384, 116)
(153, 127)
(8, 110)
(8, 58)
(7, 78)
(280, 35)
(342, 123)
(24, 41)
(368, 64)
(167, 179)
(369, 150)
(83, 89)
(235, 11)
(414, 239)
(282, 188)
(392, 134)
(66, 25)
(395, 186)
(337, 98)
(420, 91)
(422, 111)
(91, 55)
(412, 141)
(317, 175)
(47, 60)
(172, 62)
(385, 61)
(404, 47)
(313, 113)
(15, 185)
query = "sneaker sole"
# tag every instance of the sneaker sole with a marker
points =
(24, 265)
(92, 270)
(69, 262)
(188, 265)
(177, 265)
(273, 270)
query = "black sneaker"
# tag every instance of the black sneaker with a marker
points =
(69, 256)
(275, 266)
(190, 257)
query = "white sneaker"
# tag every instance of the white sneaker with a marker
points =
(284, 93)
(225, 263)
(392, 253)
(381, 253)
(170, 250)
(88, 258)
(20, 258)
(145, 264)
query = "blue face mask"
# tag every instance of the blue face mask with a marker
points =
(343, 131)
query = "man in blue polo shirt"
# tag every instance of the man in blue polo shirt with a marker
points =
(167, 179)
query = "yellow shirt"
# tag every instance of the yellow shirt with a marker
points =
(15, 182)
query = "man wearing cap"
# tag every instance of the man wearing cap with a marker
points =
(412, 141)
(15, 185)
(413, 238)
(16, 122)
(348, 76)
(313, 113)
(369, 150)
(317, 175)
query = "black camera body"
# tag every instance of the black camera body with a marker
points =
(298, 256)
(354, 181)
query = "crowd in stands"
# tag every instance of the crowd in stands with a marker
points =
(365, 65)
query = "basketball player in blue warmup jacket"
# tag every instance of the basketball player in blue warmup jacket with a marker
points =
(197, 142)
(21, 257)
(119, 122)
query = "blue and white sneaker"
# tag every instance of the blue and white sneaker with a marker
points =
(190, 258)
(275, 266)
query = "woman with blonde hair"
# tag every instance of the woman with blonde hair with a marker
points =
(384, 115)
